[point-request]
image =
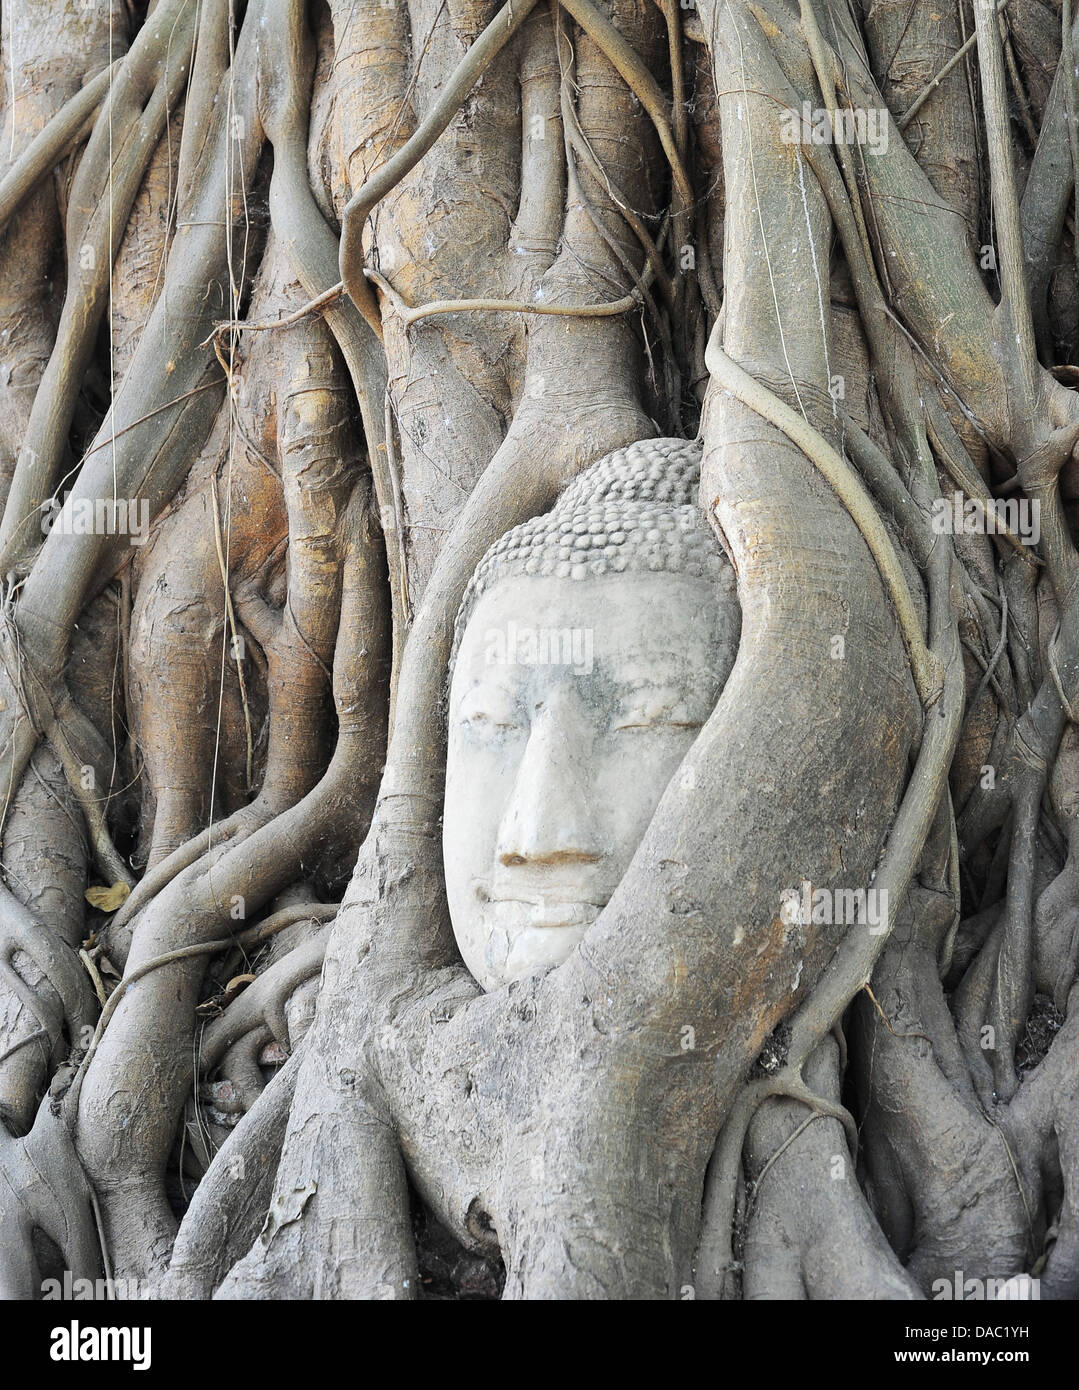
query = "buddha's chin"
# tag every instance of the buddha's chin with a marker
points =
(504, 939)
(538, 948)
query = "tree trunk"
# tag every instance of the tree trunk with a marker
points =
(303, 308)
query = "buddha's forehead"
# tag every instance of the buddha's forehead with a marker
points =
(630, 625)
(622, 605)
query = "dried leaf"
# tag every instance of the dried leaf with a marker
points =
(107, 899)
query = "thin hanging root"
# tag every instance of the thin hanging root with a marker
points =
(627, 62)
(819, 1109)
(1021, 359)
(1071, 92)
(671, 11)
(287, 917)
(777, 1154)
(54, 958)
(110, 439)
(106, 855)
(954, 459)
(577, 143)
(410, 315)
(792, 1086)
(262, 1003)
(216, 837)
(955, 888)
(826, 67)
(885, 1020)
(138, 107)
(953, 62)
(581, 148)
(314, 306)
(232, 628)
(203, 948)
(95, 976)
(578, 148)
(398, 573)
(38, 1035)
(49, 1018)
(472, 66)
(926, 667)
(1017, 85)
(468, 72)
(50, 718)
(714, 1255)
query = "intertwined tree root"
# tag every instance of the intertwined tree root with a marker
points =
(390, 278)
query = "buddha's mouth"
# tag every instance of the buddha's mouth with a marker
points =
(540, 911)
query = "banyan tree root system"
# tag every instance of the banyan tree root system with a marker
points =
(305, 305)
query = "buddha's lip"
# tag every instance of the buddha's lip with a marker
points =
(544, 910)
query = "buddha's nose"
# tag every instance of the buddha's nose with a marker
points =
(550, 817)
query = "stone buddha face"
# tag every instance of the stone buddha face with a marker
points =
(592, 645)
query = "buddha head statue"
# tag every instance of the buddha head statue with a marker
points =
(591, 645)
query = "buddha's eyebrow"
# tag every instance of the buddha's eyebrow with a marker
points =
(507, 678)
(496, 680)
(666, 665)
(666, 688)
(659, 684)
(673, 687)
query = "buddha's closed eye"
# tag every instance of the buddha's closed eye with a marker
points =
(654, 709)
(487, 709)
